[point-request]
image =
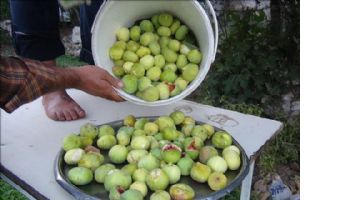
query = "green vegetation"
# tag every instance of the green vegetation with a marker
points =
(7, 192)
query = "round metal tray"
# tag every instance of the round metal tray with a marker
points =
(96, 191)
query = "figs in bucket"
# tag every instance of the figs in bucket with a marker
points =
(163, 45)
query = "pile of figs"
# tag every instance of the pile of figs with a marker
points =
(154, 155)
(156, 58)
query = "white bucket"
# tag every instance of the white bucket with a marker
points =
(115, 14)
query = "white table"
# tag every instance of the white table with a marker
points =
(30, 141)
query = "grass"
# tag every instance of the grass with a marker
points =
(7, 192)
(69, 61)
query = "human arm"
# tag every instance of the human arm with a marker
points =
(24, 80)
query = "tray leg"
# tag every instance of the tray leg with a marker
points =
(247, 182)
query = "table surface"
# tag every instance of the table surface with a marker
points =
(30, 141)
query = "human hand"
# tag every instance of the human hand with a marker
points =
(96, 81)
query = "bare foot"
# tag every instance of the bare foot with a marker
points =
(59, 106)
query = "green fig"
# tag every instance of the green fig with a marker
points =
(140, 142)
(178, 117)
(132, 194)
(175, 26)
(163, 91)
(221, 139)
(206, 153)
(73, 156)
(140, 175)
(147, 38)
(181, 32)
(154, 48)
(114, 194)
(116, 53)
(173, 172)
(116, 178)
(160, 195)
(189, 72)
(132, 46)
(171, 153)
(138, 70)
(175, 46)
(165, 19)
(148, 162)
(143, 51)
(101, 172)
(200, 172)
(129, 168)
(217, 164)
(168, 76)
(127, 67)
(120, 44)
(130, 83)
(150, 94)
(118, 71)
(135, 33)
(106, 142)
(118, 154)
(157, 180)
(91, 160)
(130, 56)
(182, 192)
(122, 34)
(139, 186)
(159, 61)
(106, 130)
(154, 73)
(169, 55)
(89, 130)
(147, 61)
(185, 165)
(217, 181)
(71, 141)
(136, 154)
(80, 176)
(146, 26)
(129, 120)
(165, 121)
(194, 56)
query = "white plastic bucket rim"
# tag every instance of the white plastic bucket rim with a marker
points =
(115, 14)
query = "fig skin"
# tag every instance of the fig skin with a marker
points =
(101, 172)
(131, 194)
(71, 141)
(181, 191)
(217, 181)
(178, 117)
(91, 160)
(148, 162)
(89, 130)
(217, 164)
(73, 156)
(139, 186)
(106, 142)
(233, 159)
(140, 175)
(160, 195)
(80, 176)
(173, 173)
(118, 154)
(200, 172)
(221, 139)
(157, 180)
(206, 153)
(185, 164)
(116, 178)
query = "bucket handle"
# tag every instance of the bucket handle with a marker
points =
(215, 21)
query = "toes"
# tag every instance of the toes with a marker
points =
(80, 112)
(60, 116)
(73, 115)
(67, 115)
